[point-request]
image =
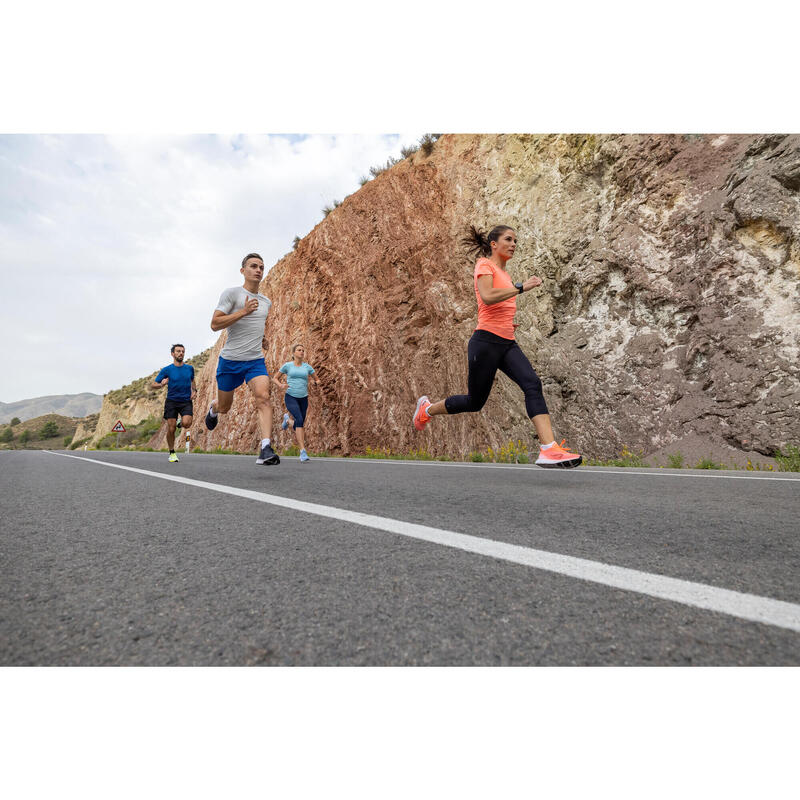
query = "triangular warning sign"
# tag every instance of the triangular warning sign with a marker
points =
(119, 427)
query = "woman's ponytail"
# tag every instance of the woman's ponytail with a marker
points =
(480, 244)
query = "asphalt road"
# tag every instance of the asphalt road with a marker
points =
(105, 566)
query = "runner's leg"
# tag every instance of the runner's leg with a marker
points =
(297, 407)
(516, 365)
(171, 424)
(223, 402)
(483, 359)
(259, 386)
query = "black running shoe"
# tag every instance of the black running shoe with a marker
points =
(211, 422)
(268, 456)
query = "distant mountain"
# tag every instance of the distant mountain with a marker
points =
(68, 405)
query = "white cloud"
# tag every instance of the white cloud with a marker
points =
(112, 248)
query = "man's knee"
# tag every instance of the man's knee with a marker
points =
(187, 422)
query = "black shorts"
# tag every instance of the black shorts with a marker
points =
(178, 408)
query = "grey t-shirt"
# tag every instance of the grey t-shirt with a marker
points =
(245, 335)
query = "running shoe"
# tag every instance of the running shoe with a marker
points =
(559, 457)
(285, 423)
(421, 417)
(304, 456)
(173, 457)
(268, 456)
(211, 422)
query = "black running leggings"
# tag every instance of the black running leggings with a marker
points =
(487, 353)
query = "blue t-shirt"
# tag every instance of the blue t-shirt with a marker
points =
(297, 378)
(180, 381)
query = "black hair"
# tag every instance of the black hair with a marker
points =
(481, 243)
(251, 255)
(172, 349)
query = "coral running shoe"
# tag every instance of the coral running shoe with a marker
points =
(421, 416)
(559, 457)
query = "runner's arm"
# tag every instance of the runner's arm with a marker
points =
(490, 295)
(220, 320)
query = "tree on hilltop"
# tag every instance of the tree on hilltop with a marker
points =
(48, 430)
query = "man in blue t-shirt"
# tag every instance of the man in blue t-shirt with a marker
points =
(179, 379)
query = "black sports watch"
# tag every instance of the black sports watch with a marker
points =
(518, 287)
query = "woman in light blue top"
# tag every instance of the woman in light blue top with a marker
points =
(297, 373)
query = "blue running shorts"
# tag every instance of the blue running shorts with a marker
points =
(231, 374)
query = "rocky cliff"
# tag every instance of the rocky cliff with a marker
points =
(670, 306)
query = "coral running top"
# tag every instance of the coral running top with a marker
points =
(499, 317)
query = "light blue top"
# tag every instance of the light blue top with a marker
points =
(297, 378)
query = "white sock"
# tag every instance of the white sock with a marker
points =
(264, 442)
(547, 446)
(211, 410)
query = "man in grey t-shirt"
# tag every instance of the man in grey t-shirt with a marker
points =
(243, 311)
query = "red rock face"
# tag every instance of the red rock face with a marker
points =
(669, 304)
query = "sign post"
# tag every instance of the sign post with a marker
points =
(118, 429)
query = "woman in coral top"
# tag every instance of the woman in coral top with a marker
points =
(494, 347)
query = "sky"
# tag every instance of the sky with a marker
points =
(114, 247)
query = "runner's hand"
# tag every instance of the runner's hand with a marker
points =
(250, 305)
(531, 283)
(164, 381)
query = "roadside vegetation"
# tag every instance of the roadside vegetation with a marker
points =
(134, 438)
(48, 432)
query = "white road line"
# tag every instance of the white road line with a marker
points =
(627, 471)
(737, 604)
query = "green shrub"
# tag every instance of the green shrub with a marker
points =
(327, 210)
(295, 242)
(708, 463)
(79, 443)
(67, 441)
(675, 461)
(15, 421)
(788, 461)
(427, 141)
(408, 150)
(147, 428)
(24, 437)
(362, 180)
(475, 456)
(291, 450)
(48, 430)
(626, 459)
(7, 435)
(375, 171)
